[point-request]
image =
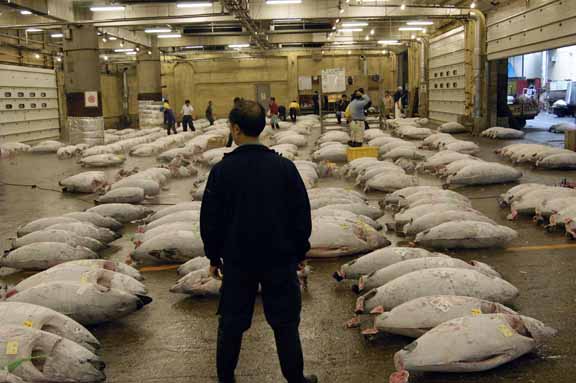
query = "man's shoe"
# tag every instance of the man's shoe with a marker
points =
(311, 379)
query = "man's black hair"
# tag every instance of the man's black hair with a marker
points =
(273, 98)
(344, 95)
(361, 90)
(187, 102)
(249, 116)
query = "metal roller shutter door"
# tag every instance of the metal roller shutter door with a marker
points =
(28, 104)
(447, 76)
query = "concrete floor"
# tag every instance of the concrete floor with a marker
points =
(173, 339)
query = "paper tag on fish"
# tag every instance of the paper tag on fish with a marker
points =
(12, 348)
(441, 304)
(505, 330)
(83, 278)
(28, 323)
(476, 312)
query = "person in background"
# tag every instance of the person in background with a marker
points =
(169, 117)
(366, 126)
(388, 105)
(210, 113)
(341, 106)
(187, 120)
(357, 106)
(316, 102)
(398, 103)
(273, 109)
(294, 108)
(282, 112)
(237, 101)
(253, 248)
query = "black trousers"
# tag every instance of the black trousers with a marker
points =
(293, 114)
(282, 302)
(187, 122)
(171, 126)
(230, 141)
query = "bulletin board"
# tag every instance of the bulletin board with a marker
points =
(333, 80)
(304, 83)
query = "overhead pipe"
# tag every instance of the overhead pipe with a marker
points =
(480, 108)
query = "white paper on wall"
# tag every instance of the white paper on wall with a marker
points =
(333, 80)
(304, 83)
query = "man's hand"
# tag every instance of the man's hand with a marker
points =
(301, 265)
(215, 272)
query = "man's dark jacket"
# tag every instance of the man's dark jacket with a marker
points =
(255, 211)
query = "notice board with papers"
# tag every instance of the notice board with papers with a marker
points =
(333, 80)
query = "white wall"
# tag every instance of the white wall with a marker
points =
(565, 66)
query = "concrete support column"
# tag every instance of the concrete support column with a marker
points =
(150, 86)
(413, 76)
(85, 123)
(293, 76)
(498, 92)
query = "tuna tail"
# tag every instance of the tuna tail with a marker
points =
(143, 301)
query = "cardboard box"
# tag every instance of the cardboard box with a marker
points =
(570, 140)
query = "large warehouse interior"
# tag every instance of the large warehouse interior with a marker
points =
(390, 183)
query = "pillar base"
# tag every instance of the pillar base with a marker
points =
(85, 130)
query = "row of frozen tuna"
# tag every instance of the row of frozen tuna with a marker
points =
(541, 156)
(444, 219)
(552, 206)
(454, 308)
(386, 176)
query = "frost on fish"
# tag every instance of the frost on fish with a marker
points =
(418, 316)
(96, 264)
(87, 303)
(170, 247)
(339, 236)
(47, 357)
(473, 343)
(466, 235)
(43, 255)
(438, 281)
(43, 318)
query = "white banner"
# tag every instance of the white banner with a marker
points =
(333, 80)
(304, 83)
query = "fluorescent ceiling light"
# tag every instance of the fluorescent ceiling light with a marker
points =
(194, 47)
(275, 2)
(356, 24)
(416, 22)
(124, 50)
(31, 30)
(389, 42)
(57, 35)
(107, 8)
(25, 12)
(287, 20)
(343, 42)
(410, 29)
(350, 30)
(158, 30)
(131, 53)
(112, 38)
(200, 4)
(170, 36)
(236, 46)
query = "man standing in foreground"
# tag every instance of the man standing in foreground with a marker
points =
(358, 118)
(255, 223)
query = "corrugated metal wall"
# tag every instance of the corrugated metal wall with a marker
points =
(522, 27)
(447, 76)
(28, 104)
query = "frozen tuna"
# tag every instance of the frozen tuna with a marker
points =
(182, 216)
(150, 187)
(418, 316)
(87, 229)
(46, 357)
(473, 344)
(122, 212)
(43, 318)
(485, 173)
(503, 133)
(43, 255)
(171, 247)
(194, 264)
(390, 182)
(102, 160)
(96, 264)
(338, 236)
(466, 235)
(61, 236)
(193, 205)
(389, 273)
(87, 303)
(95, 219)
(48, 146)
(429, 221)
(440, 281)
(379, 259)
(105, 277)
(43, 223)
(87, 182)
(123, 195)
